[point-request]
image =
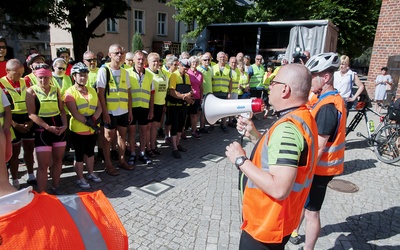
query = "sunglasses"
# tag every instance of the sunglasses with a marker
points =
(206, 60)
(60, 68)
(41, 66)
(276, 82)
(118, 53)
(3, 47)
(90, 60)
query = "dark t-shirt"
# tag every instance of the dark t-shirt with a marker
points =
(327, 120)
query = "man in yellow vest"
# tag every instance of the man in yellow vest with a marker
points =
(142, 90)
(206, 70)
(114, 90)
(90, 60)
(15, 89)
(282, 164)
(256, 74)
(330, 115)
(222, 82)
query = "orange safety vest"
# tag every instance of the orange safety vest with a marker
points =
(269, 220)
(332, 159)
(81, 221)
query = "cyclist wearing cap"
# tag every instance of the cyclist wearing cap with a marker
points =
(65, 54)
(329, 112)
(33, 61)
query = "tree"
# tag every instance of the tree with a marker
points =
(206, 12)
(69, 15)
(137, 43)
(184, 45)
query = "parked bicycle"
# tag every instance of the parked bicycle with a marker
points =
(385, 138)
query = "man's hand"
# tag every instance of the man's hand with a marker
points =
(233, 151)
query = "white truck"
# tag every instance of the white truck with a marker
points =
(274, 40)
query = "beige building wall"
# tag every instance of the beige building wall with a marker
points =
(125, 29)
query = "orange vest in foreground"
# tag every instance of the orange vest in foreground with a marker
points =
(80, 221)
(269, 220)
(332, 159)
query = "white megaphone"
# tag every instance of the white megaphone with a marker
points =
(215, 108)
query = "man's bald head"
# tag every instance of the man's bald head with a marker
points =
(298, 77)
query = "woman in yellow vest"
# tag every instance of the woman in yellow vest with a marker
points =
(46, 110)
(85, 109)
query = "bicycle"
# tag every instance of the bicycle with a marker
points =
(385, 138)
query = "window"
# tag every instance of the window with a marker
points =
(139, 21)
(112, 25)
(161, 1)
(162, 24)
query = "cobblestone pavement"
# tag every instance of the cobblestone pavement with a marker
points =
(201, 208)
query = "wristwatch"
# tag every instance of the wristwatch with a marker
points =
(240, 161)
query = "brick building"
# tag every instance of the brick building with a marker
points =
(386, 49)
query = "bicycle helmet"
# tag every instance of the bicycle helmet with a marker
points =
(79, 68)
(62, 50)
(32, 58)
(322, 62)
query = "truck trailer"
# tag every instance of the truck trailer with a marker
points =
(274, 40)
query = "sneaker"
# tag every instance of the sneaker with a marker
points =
(114, 155)
(195, 135)
(83, 184)
(93, 177)
(56, 191)
(176, 154)
(183, 136)
(132, 160)
(144, 159)
(295, 239)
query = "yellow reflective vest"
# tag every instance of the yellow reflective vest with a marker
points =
(160, 81)
(221, 79)
(48, 103)
(17, 98)
(118, 94)
(140, 88)
(86, 107)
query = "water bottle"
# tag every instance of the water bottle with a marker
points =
(371, 126)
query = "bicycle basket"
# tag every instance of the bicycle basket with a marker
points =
(394, 114)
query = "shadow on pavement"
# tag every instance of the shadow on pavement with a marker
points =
(366, 228)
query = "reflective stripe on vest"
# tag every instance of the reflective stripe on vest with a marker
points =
(118, 97)
(18, 98)
(256, 80)
(48, 103)
(89, 232)
(220, 82)
(332, 158)
(140, 88)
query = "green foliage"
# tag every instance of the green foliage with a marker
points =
(184, 45)
(205, 12)
(137, 43)
(30, 16)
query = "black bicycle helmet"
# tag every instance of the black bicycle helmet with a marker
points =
(62, 50)
(322, 62)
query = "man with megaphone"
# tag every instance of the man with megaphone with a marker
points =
(281, 167)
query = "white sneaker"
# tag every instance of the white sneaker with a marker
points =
(93, 177)
(83, 184)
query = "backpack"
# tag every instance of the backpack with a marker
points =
(394, 111)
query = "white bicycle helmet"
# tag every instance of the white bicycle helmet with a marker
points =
(323, 61)
(79, 68)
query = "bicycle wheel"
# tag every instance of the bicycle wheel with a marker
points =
(387, 142)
